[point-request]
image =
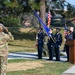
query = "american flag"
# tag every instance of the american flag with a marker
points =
(49, 19)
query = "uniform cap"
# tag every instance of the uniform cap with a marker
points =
(58, 29)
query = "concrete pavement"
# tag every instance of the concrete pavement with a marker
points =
(70, 71)
(29, 55)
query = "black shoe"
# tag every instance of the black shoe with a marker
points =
(39, 58)
(50, 59)
(57, 60)
(67, 61)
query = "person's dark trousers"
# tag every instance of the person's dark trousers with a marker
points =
(50, 52)
(64, 50)
(67, 51)
(57, 53)
(40, 49)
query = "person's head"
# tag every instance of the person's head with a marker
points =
(40, 30)
(57, 30)
(1, 27)
(71, 29)
(68, 31)
(51, 30)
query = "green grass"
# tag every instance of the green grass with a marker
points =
(19, 60)
(23, 41)
(22, 46)
(50, 68)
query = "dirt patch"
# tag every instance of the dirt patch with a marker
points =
(31, 29)
(23, 66)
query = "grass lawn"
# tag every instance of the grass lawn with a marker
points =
(38, 67)
(24, 42)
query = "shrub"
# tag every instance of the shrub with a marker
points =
(11, 21)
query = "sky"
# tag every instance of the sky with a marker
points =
(71, 1)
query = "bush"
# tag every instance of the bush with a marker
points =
(11, 21)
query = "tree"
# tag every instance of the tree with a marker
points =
(61, 5)
(39, 5)
(13, 7)
(43, 10)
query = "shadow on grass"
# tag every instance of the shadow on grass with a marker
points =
(27, 36)
(21, 35)
(19, 45)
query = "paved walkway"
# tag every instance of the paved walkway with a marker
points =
(28, 55)
(70, 71)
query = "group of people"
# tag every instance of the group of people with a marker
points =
(54, 42)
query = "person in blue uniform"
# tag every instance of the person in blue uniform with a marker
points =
(40, 42)
(58, 42)
(50, 45)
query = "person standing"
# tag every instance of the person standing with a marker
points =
(40, 42)
(4, 38)
(50, 45)
(65, 33)
(58, 42)
(69, 36)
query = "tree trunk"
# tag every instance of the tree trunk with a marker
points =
(43, 11)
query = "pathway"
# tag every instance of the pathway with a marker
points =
(29, 55)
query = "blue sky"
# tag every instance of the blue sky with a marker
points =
(71, 1)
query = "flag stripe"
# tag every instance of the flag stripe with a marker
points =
(49, 19)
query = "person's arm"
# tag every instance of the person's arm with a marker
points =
(36, 44)
(8, 36)
(37, 39)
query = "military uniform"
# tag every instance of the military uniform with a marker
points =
(4, 38)
(58, 40)
(40, 42)
(50, 45)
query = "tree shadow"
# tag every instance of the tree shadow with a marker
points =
(27, 36)
(19, 45)
(21, 35)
